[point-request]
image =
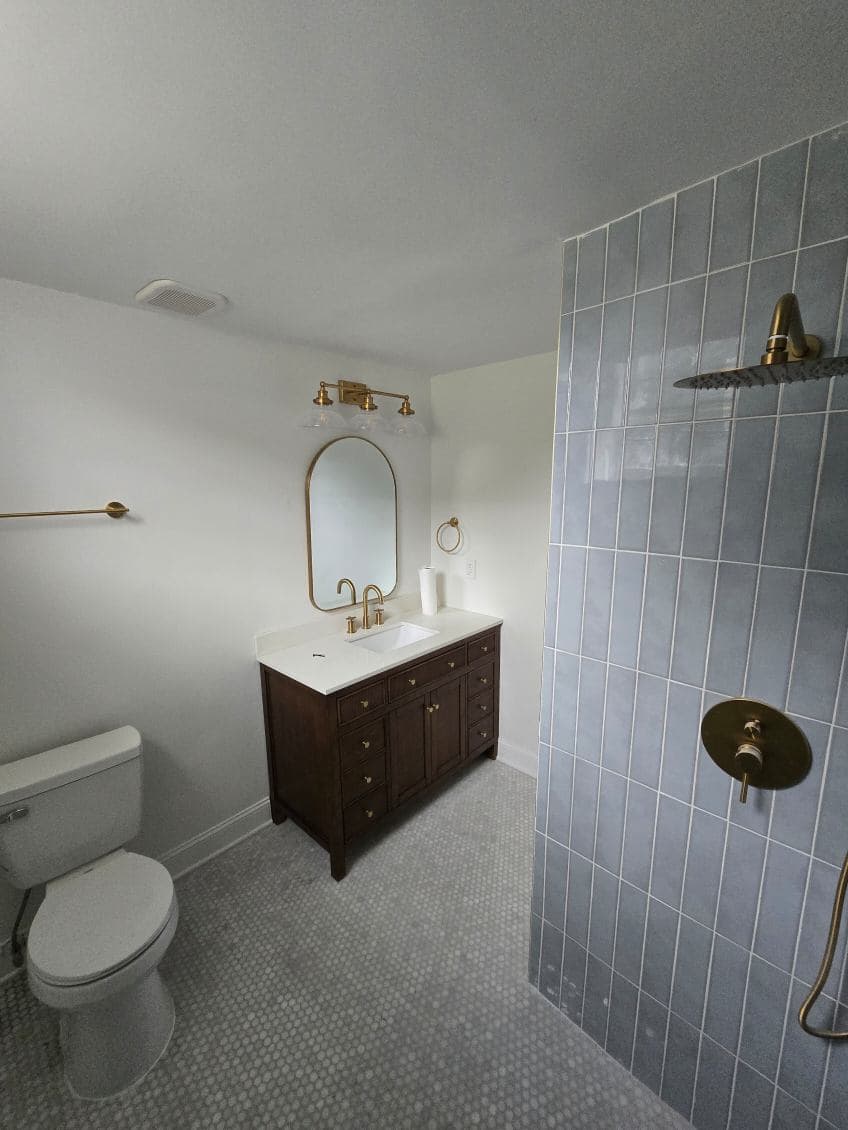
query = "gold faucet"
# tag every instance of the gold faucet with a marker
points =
(347, 581)
(366, 624)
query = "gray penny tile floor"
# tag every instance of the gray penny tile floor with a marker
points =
(397, 998)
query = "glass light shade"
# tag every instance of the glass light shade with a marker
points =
(407, 426)
(368, 422)
(327, 417)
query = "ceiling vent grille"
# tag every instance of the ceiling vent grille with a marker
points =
(165, 294)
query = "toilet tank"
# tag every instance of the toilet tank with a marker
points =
(67, 806)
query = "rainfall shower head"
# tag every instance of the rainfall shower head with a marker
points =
(791, 355)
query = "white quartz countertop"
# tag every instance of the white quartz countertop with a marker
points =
(330, 662)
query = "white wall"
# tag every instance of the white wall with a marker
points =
(151, 620)
(491, 466)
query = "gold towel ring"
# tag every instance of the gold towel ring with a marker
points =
(454, 522)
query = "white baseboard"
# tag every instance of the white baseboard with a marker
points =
(186, 856)
(524, 760)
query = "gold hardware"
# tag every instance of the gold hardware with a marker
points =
(369, 812)
(451, 664)
(351, 625)
(378, 617)
(755, 743)
(411, 682)
(113, 509)
(482, 707)
(827, 961)
(358, 393)
(454, 524)
(429, 709)
(366, 745)
(483, 680)
(309, 473)
(406, 408)
(435, 706)
(322, 399)
(787, 340)
(363, 702)
(483, 733)
(365, 622)
(367, 780)
(485, 649)
(347, 581)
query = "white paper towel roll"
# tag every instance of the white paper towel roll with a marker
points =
(427, 579)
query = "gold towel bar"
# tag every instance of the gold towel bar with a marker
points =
(113, 509)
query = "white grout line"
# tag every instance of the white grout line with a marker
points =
(715, 419)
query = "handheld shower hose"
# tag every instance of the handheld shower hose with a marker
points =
(827, 962)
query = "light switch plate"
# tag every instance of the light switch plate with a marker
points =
(470, 570)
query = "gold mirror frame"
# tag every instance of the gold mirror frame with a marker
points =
(315, 459)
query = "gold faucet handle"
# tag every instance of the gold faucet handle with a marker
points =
(378, 617)
(351, 625)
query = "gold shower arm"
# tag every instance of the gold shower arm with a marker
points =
(113, 509)
(787, 340)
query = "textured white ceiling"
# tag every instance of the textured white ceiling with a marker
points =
(386, 178)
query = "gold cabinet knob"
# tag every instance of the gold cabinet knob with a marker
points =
(429, 709)
(484, 648)
(366, 745)
(363, 702)
(482, 707)
(411, 682)
(435, 706)
(451, 664)
(484, 680)
(369, 812)
(483, 733)
(367, 780)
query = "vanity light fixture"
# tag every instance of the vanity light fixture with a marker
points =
(324, 413)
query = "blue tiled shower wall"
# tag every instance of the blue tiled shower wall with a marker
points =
(699, 550)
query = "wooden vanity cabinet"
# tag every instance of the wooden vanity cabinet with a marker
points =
(338, 763)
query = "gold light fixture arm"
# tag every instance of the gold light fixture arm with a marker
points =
(787, 340)
(113, 509)
(827, 962)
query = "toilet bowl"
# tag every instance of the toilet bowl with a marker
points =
(93, 951)
(108, 914)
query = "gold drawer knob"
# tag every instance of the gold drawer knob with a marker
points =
(483, 733)
(435, 706)
(484, 648)
(484, 680)
(366, 745)
(451, 664)
(482, 707)
(429, 709)
(363, 702)
(369, 812)
(367, 780)
(411, 682)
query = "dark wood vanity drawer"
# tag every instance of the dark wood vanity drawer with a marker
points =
(481, 734)
(480, 648)
(363, 777)
(360, 815)
(362, 742)
(361, 702)
(414, 678)
(480, 707)
(482, 678)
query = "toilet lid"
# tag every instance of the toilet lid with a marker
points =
(99, 917)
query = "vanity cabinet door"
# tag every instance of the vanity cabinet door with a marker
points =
(446, 711)
(408, 745)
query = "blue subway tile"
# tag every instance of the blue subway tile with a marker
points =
(636, 475)
(682, 723)
(569, 274)
(584, 808)
(819, 279)
(690, 974)
(612, 800)
(537, 896)
(721, 339)
(621, 696)
(559, 795)
(632, 910)
(647, 730)
(712, 785)
(627, 608)
(713, 1087)
(780, 905)
(774, 634)
(804, 1058)
(590, 268)
(794, 814)
(535, 949)
(835, 1099)
(703, 867)
(734, 607)
(569, 612)
(681, 1060)
(550, 966)
(750, 466)
(597, 603)
(590, 713)
(606, 483)
(621, 257)
(658, 960)
(815, 924)
(542, 786)
(670, 850)
(752, 1099)
(603, 915)
(651, 1023)
(584, 369)
(639, 835)
(646, 357)
(658, 615)
(597, 999)
(655, 244)
(682, 348)
(573, 980)
(829, 549)
(820, 645)
(577, 902)
(578, 476)
(624, 1000)
(793, 484)
(726, 995)
(556, 881)
(551, 595)
(830, 835)
(671, 472)
(790, 1115)
(765, 1010)
(767, 280)
(615, 357)
(692, 231)
(546, 702)
(557, 487)
(564, 723)
(705, 495)
(563, 385)
(826, 203)
(737, 904)
(697, 579)
(734, 216)
(779, 198)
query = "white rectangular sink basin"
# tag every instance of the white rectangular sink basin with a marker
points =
(390, 639)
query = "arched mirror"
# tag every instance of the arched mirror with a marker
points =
(351, 521)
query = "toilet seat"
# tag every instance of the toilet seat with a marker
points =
(98, 918)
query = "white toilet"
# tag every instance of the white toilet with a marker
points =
(108, 915)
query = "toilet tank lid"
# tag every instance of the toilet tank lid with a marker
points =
(42, 771)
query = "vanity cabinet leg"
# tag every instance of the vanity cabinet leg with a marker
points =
(338, 865)
(278, 815)
(492, 753)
